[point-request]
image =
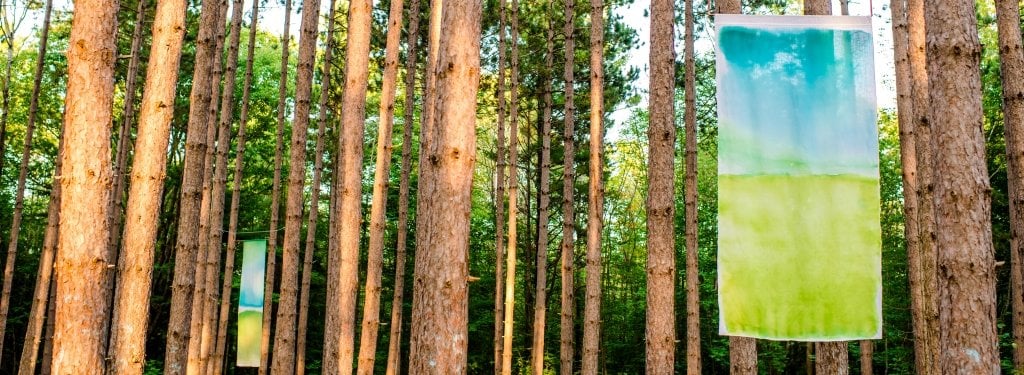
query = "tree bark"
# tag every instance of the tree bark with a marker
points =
(966, 264)
(513, 192)
(592, 311)
(1011, 63)
(867, 350)
(275, 203)
(80, 331)
(693, 357)
(44, 279)
(353, 116)
(440, 299)
(567, 334)
(742, 350)
(314, 200)
(217, 360)
(131, 303)
(51, 311)
(19, 195)
(187, 247)
(540, 307)
(499, 201)
(661, 135)
(395, 338)
(332, 315)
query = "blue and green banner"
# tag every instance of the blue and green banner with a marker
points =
(799, 252)
(250, 302)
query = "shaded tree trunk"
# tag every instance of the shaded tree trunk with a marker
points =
(395, 338)
(567, 335)
(440, 300)
(513, 192)
(499, 201)
(19, 195)
(51, 311)
(80, 330)
(217, 360)
(966, 264)
(867, 350)
(595, 204)
(661, 135)
(332, 315)
(353, 116)
(693, 357)
(196, 143)
(540, 307)
(275, 203)
(131, 304)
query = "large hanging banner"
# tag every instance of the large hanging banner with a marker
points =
(799, 243)
(250, 302)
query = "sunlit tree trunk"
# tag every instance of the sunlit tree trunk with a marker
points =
(19, 195)
(499, 200)
(693, 357)
(275, 203)
(661, 135)
(440, 299)
(395, 338)
(349, 208)
(131, 304)
(567, 334)
(540, 308)
(187, 246)
(513, 192)
(332, 315)
(966, 264)
(595, 204)
(80, 331)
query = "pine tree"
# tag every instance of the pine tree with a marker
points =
(540, 307)
(693, 357)
(499, 200)
(568, 245)
(513, 191)
(595, 203)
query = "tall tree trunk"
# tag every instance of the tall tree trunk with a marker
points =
(275, 203)
(966, 264)
(284, 334)
(513, 192)
(540, 308)
(867, 350)
(923, 269)
(332, 315)
(124, 136)
(568, 246)
(661, 135)
(742, 350)
(1011, 63)
(395, 338)
(219, 184)
(353, 116)
(374, 258)
(44, 279)
(314, 200)
(51, 312)
(693, 357)
(131, 304)
(187, 247)
(19, 195)
(440, 299)
(80, 331)
(217, 361)
(499, 201)
(595, 204)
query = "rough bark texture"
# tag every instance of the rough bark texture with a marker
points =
(397, 303)
(284, 334)
(275, 203)
(595, 204)
(187, 245)
(1011, 62)
(925, 265)
(314, 200)
(51, 311)
(742, 350)
(513, 192)
(375, 256)
(440, 299)
(135, 266)
(693, 358)
(661, 135)
(540, 308)
(567, 334)
(966, 264)
(353, 116)
(80, 330)
(867, 350)
(41, 297)
(217, 359)
(19, 195)
(499, 199)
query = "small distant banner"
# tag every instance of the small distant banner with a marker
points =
(250, 302)
(799, 251)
